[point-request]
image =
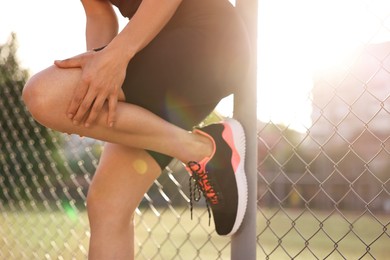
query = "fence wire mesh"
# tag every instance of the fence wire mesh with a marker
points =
(44, 181)
(323, 193)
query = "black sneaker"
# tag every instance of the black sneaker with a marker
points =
(221, 177)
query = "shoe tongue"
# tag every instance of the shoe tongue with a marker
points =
(203, 163)
(197, 166)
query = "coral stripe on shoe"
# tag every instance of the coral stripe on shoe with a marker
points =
(221, 177)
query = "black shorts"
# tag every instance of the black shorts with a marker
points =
(199, 57)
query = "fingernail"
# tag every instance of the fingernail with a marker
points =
(111, 124)
(70, 115)
(87, 125)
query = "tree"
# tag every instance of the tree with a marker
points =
(26, 148)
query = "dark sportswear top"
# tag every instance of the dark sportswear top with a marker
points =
(200, 56)
(127, 7)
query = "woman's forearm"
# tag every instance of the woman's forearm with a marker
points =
(147, 22)
(102, 23)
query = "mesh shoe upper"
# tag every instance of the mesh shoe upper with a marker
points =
(216, 177)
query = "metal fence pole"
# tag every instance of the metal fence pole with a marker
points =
(244, 241)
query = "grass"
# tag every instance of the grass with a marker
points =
(43, 235)
(169, 233)
(302, 234)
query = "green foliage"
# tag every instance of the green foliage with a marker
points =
(10, 72)
(26, 148)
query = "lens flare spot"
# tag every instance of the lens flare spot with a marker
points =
(70, 210)
(140, 166)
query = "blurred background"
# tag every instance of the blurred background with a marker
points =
(323, 114)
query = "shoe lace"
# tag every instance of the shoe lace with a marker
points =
(199, 183)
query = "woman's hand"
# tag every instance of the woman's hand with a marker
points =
(102, 76)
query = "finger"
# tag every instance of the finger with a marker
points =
(78, 96)
(112, 104)
(84, 107)
(94, 111)
(74, 62)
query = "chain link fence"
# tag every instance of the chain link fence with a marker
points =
(323, 193)
(44, 181)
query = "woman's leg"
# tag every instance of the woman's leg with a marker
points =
(126, 170)
(47, 96)
(123, 176)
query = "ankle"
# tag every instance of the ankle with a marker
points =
(202, 147)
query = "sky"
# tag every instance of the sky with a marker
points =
(295, 39)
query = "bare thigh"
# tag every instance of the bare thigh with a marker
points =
(48, 94)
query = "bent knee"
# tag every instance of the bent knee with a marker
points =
(31, 95)
(35, 99)
(101, 209)
(45, 96)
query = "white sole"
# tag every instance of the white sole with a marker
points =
(242, 186)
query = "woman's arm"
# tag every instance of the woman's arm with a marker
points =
(103, 72)
(102, 23)
(147, 22)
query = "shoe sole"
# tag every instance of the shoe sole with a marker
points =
(238, 136)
